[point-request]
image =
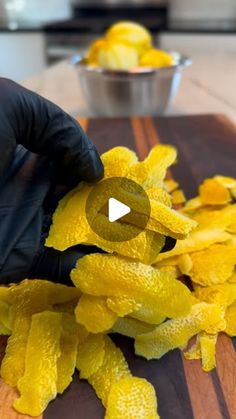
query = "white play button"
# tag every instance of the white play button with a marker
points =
(109, 203)
(116, 210)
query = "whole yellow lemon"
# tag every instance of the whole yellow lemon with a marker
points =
(156, 58)
(117, 56)
(130, 33)
(93, 51)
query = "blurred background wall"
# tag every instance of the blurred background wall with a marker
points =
(27, 46)
(46, 10)
(35, 10)
(202, 9)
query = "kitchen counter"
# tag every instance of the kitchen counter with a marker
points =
(208, 86)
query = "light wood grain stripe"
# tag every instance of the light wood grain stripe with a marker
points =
(139, 137)
(7, 396)
(226, 369)
(151, 132)
(201, 391)
(83, 123)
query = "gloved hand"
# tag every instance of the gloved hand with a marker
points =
(29, 191)
(29, 182)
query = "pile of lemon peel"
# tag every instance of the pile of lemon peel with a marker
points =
(70, 224)
(208, 257)
(133, 290)
(126, 45)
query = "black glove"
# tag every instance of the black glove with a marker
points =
(29, 191)
(40, 147)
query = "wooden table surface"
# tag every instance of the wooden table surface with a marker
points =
(206, 145)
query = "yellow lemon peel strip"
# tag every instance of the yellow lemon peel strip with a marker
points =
(131, 327)
(38, 386)
(94, 314)
(213, 265)
(208, 351)
(230, 318)
(68, 348)
(113, 368)
(90, 355)
(132, 398)
(175, 333)
(144, 283)
(212, 192)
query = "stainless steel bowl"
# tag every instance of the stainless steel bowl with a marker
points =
(142, 91)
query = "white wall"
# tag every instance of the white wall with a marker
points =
(47, 9)
(202, 9)
(37, 10)
(21, 55)
(188, 44)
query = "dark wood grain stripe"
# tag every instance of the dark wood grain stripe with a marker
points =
(234, 342)
(112, 132)
(182, 172)
(220, 394)
(3, 344)
(79, 401)
(206, 145)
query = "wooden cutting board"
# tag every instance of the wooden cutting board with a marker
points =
(206, 145)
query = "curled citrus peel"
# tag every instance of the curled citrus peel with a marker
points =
(38, 383)
(132, 398)
(175, 333)
(122, 293)
(143, 283)
(70, 225)
(208, 257)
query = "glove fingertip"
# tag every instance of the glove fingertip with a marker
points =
(95, 170)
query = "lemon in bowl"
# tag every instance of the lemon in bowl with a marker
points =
(123, 74)
(130, 33)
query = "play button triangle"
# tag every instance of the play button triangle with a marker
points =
(116, 209)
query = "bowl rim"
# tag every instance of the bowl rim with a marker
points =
(181, 61)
